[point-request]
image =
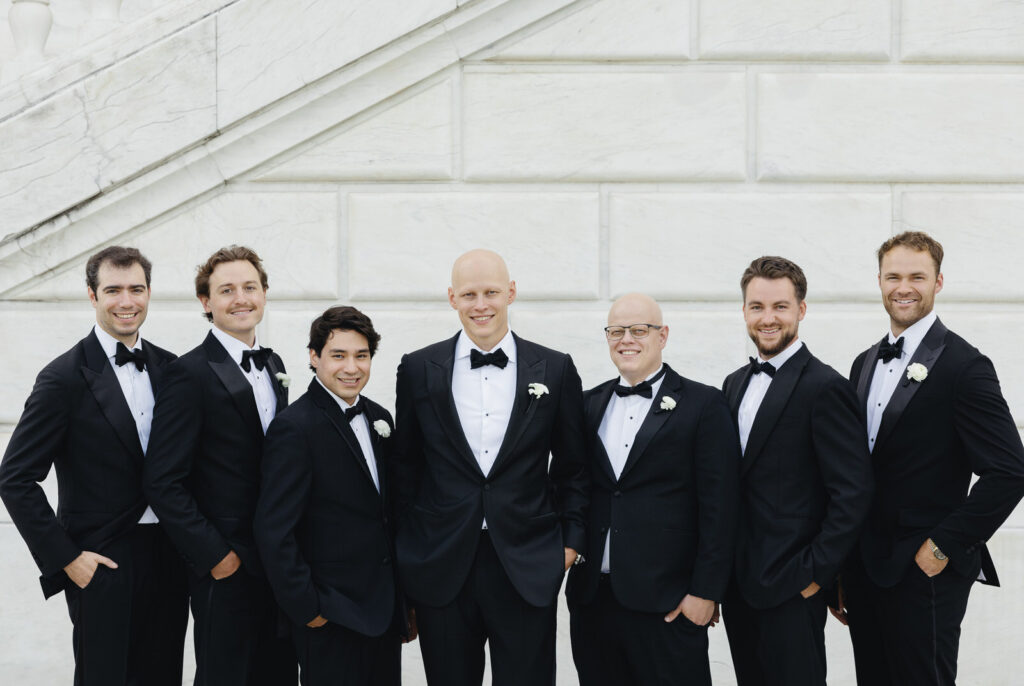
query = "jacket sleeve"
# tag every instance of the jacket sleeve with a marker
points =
(568, 468)
(406, 456)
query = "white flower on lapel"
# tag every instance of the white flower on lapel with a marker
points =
(667, 403)
(537, 389)
(917, 372)
(283, 379)
(382, 428)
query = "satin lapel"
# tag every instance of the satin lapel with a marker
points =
(154, 367)
(373, 415)
(672, 387)
(530, 368)
(276, 366)
(234, 381)
(439, 385)
(737, 390)
(774, 403)
(105, 387)
(595, 413)
(931, 347)
(867, 372)
(336, 417)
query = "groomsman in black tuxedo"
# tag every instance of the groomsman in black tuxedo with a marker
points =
(805, 486)
(489, 527)
(661, 528)
(203, 475)
(935, 416)
(323, 520)
(89, 418)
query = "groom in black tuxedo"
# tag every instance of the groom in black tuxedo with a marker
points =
(488, 527)
(805, 486)
(89, 418)
(935, 416)
(661, 529)
(323, 521)
(203, 475)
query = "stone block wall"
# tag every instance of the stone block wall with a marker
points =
(602, 147)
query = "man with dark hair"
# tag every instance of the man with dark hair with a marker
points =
(490, 467)
(935, 416)
(203, 477)
(324, 518)
(89, 418)
(662, 521)
(805, 486)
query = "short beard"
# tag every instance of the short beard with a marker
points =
(784, 341)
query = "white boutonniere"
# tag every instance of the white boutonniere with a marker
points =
(537, 389)
(667, 403)
(283, 379)
(382, 428)
(917, 372)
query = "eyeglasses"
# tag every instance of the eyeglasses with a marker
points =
(637, 331)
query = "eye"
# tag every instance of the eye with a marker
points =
(225, 291)
(363, 356)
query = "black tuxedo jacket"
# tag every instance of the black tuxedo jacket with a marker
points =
(933, 435)
(77, 419)
(323, 530)
(672, 511)
(533, 510)
(805, 480)
(202, 473)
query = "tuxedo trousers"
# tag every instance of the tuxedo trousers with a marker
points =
(240, 636)
(777, 646)
(488, 609)
(615, 646)
(334, 655)
(909, 634)
(129, 622)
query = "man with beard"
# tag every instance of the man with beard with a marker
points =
(935, 416)
(805, 486)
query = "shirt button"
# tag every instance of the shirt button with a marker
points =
(487, 487)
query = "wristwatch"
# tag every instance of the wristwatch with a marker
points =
(579, 560)
(939, 555)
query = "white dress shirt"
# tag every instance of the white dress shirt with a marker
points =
(888, 375)
(260, 379)
(757, 389)
(361, 428)
(619, 426)
(138, 393)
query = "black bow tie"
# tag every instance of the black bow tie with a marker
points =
(887, 352)
(354, 411)
(643, 389)
(758, 367)
(123, 356)
(258, 357)
(478, 359)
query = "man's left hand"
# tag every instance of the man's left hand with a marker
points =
(927, 561)
(697, 610)
(570, 558)
(810, 590)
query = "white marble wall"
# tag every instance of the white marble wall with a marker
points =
(602, 146)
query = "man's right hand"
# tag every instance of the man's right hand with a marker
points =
(226, 567)
(81, 569)
(316, 622)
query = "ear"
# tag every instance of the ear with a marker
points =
(511, 292)
(314, 359)
(451, 298)
(205, 301)
(938, 282)
(92, 295)
(803, 310)
(663, 333)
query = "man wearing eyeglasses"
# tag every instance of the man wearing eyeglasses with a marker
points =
(664, 462)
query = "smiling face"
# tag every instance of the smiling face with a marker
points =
(236, 299)
(909, 283)
(636, 358)
(481, 292)
(121, 300)
(343, 366)
(773, 314)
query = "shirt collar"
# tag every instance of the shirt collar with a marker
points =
(784, 356)
(914, 334)
(338, 399)
(109, 343)
(465, 344)
(234, 346)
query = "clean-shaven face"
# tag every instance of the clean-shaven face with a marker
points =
(121, 300)
(773, 314)
(481, 292)
(236, 299)
(909, 283)
(343, 366)
(636, 358)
